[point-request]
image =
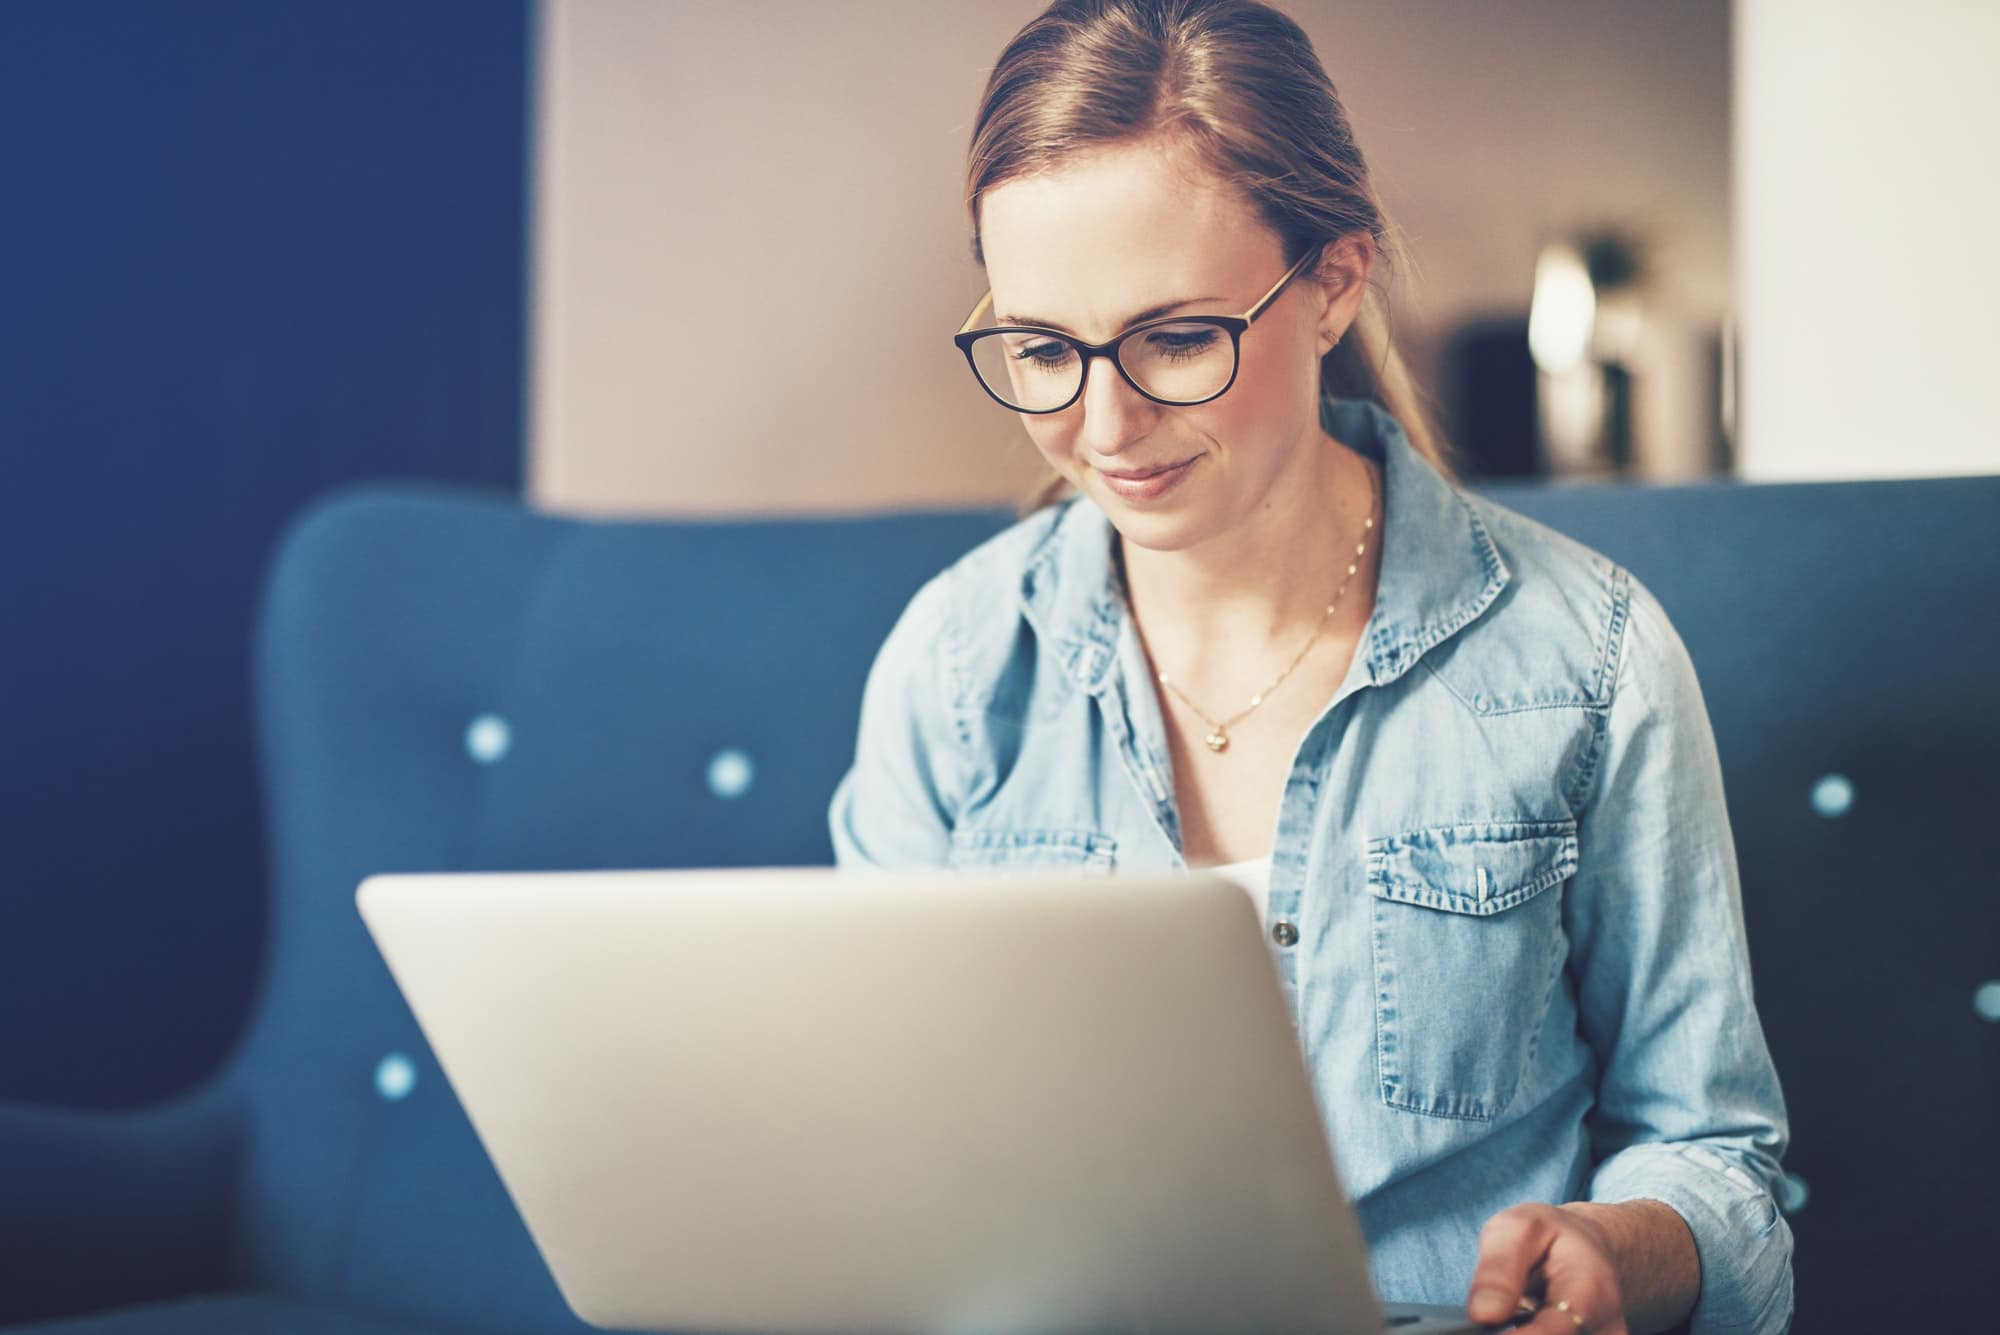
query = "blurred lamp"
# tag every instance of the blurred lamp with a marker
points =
(1564, 310)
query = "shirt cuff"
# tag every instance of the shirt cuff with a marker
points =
(1744, 1244)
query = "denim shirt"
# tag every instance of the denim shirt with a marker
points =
(1517, 964)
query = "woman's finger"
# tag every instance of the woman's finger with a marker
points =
(1510, 1247)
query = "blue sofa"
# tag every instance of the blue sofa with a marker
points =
(448, 681)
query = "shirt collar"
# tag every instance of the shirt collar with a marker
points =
(1440, 568)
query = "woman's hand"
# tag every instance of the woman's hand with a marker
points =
(1581, 1264)
(1554, 1258)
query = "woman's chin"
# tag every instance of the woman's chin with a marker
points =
(1154, 530)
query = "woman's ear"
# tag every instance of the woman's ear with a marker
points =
(1342, 279)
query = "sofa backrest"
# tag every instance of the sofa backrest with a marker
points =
(448, 681)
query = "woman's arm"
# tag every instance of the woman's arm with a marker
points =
(1654, 1256)
(894, 806)
(1689, 1113)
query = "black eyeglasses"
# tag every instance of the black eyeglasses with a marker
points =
(1179, 360)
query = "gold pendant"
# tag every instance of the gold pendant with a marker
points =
(1217, 740)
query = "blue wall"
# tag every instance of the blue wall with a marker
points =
(248, 251)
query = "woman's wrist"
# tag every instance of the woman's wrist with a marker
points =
(1654, 1255)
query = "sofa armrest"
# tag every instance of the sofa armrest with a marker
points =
(99, 1209)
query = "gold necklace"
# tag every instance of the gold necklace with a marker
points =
(1218, 733)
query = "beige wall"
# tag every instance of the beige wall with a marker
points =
(1866, 205)
(714, 177)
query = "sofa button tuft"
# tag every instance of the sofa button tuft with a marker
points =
(1832, 796)
(1986, 1001)
(730, 773)
(487, 738)
(395, 1077)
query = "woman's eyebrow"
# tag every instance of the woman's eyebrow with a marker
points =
(1151, 312)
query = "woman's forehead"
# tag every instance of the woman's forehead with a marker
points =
(1113, 194)
(1092, 246)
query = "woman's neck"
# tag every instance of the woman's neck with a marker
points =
(1226, 607)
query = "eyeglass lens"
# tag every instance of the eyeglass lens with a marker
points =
(1181, 362)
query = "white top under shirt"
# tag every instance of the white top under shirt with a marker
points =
(1254, 875)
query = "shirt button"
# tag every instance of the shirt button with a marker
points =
(1285, 934)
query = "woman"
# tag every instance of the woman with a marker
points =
(1462, 762)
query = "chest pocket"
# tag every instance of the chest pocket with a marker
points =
(1466, 934)
(990, 849)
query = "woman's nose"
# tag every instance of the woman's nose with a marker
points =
(1114, 414)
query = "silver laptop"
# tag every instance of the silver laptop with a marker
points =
(802, 1100)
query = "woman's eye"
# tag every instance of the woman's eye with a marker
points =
(1182, 344)
(1044, 355)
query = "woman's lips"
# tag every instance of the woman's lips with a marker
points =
(1151, 487)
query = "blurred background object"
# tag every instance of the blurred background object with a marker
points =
(1597, 355)
(247, 252)
(1867, 274)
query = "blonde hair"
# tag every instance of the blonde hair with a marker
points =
(1237, 84)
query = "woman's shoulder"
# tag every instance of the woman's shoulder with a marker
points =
(1582, 616)
(970, 609)
(998, 564)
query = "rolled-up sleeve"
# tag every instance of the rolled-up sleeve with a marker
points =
(1689, 1111)
(893, 807)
